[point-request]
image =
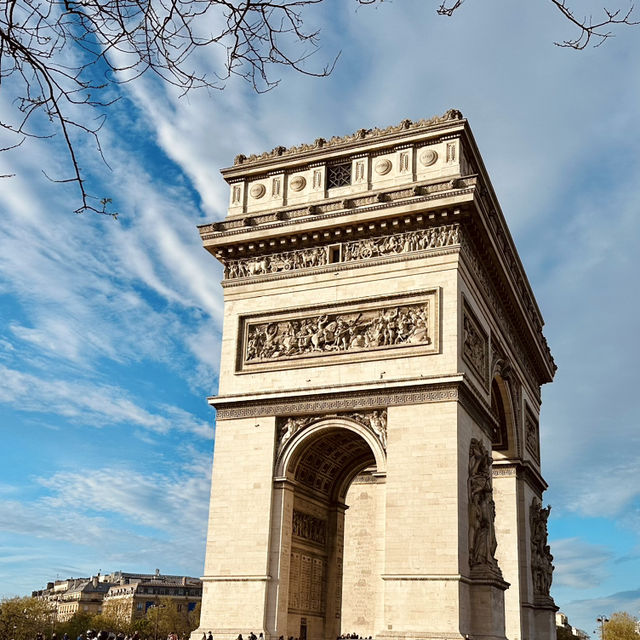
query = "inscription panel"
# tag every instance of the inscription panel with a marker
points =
(395, 326)
(307, 580)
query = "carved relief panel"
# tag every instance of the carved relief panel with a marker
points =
(532, 434)
(394, 326)
(475, 344)
(362, 249)
(309, 528)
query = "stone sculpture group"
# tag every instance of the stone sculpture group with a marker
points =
(541, 558)
(482, 509)
(363, 249)
(323, 333)
(375, 420)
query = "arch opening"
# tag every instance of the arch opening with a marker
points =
(321, 465)
(503, 439)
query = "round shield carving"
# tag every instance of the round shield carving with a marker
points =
(383, 167)
(298, 183)
(428, 157)
(257, 190)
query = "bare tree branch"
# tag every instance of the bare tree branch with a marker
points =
(588, 29)
(60, 59)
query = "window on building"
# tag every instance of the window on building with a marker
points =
(339, 175)
(179, 607)
(192, 606)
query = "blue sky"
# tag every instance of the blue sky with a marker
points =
(109, 330)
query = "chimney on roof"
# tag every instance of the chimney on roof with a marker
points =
(94, 581)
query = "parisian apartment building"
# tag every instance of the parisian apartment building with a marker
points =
(122, 595)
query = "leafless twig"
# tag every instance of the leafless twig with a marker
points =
(59, 58)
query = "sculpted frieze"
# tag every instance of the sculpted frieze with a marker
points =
(541, 558)
(412, 241)
(338, 333)
(309, 527)
(374, 420)
(401, 243)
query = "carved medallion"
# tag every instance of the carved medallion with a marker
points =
(298, 183)
(383, 167)
(257, 190)
(428, 157)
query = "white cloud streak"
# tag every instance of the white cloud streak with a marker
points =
(93, 404)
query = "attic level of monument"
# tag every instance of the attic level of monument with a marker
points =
(413, 190)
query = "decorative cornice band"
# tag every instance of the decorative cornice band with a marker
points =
(209, 232)
(343, 266)
(397, 577)
(333, 402)
(522, 470)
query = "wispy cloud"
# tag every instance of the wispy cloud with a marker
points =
(119, 514)
(93, 404)
(579, 564)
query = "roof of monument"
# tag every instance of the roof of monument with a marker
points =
(340, 142)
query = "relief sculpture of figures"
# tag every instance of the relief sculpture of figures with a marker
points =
(474, 346)
(309, 527)
(401, 243)
(482, 535)
(420, 240)
(541, 558)
(286, 261)
(375, 420)
(338, 332)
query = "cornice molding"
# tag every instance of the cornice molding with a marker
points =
(336, 208)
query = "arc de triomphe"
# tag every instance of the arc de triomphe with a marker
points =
(382, 352)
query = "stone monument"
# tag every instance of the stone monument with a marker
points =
(382, 352)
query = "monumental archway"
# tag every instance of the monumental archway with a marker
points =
(379, 331)
(318, 458)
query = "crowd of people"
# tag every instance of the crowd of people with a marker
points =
(90, 634)
(252, 636)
